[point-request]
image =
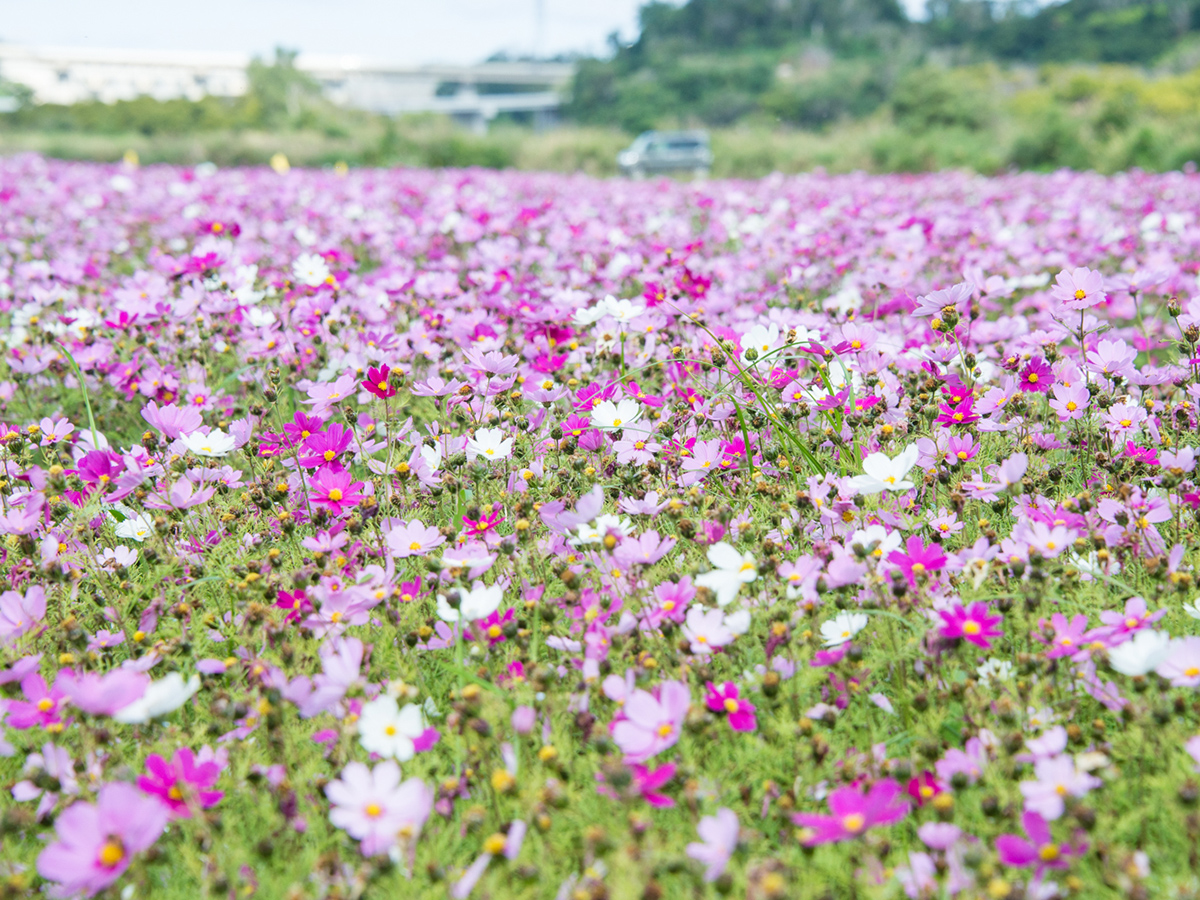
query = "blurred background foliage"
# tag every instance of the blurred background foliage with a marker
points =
(784, 85)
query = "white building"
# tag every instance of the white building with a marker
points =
(473, 94)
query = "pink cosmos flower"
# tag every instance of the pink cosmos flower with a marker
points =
(181, 785)
(705, 459)
(1070, 401)
(958, 296)
(718, 839)
(413, 538)
(725, 699)
(1113, 358)
(1056, 778)
(1182, 665)
(706, 630)
(652, 724)
(1079, 288)
(20, 613)
(969, 762)
(172, 421)
(96, 843)
(1118, 627)
(1068, 636)
(973, 623)
(42, 706)
(375, 808)
(102, 695)
(916, 559)
(854, 812)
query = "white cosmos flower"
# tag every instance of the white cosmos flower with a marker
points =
(995, 670)
(310, 269)
(609, 416)
(477, 603)
(490, 443)
(594, 531)
(136, 528)
(886, 541)
(389, 730)
(882, 473)
(621, 310)
(730, 571)
(215, 443)
(162, 697)
(1140, 654)
(842, 628)
(589, 315)
(763, 339)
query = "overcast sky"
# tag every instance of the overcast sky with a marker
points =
(400, 31)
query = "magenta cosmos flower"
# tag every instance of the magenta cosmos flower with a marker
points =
(181, 785)
(322, 448)
(1040, 850)
(973, 624)
(377, 382)
(854, 812)
(652, 724)
(334, 490)
(1037, 376)
(916, 559)
(97, 842)
(725, 699)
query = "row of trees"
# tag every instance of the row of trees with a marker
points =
(812, 62)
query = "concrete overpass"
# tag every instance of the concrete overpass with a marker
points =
(473, 95)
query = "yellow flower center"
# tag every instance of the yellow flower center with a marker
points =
(373, 810)
(665, 731)
(493, 631)
(111, 853)
(854, 823)
(329, 455)
(731, 706)
(971, 627)
(1033, 377)
(45, 704)
(414, 546)
(1049, 853)
(1080, 294)
(335, 495)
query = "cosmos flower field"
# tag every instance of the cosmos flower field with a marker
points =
(464, 533)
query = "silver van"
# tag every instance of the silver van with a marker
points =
(659, 152)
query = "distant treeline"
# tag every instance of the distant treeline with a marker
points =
(812, 62)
